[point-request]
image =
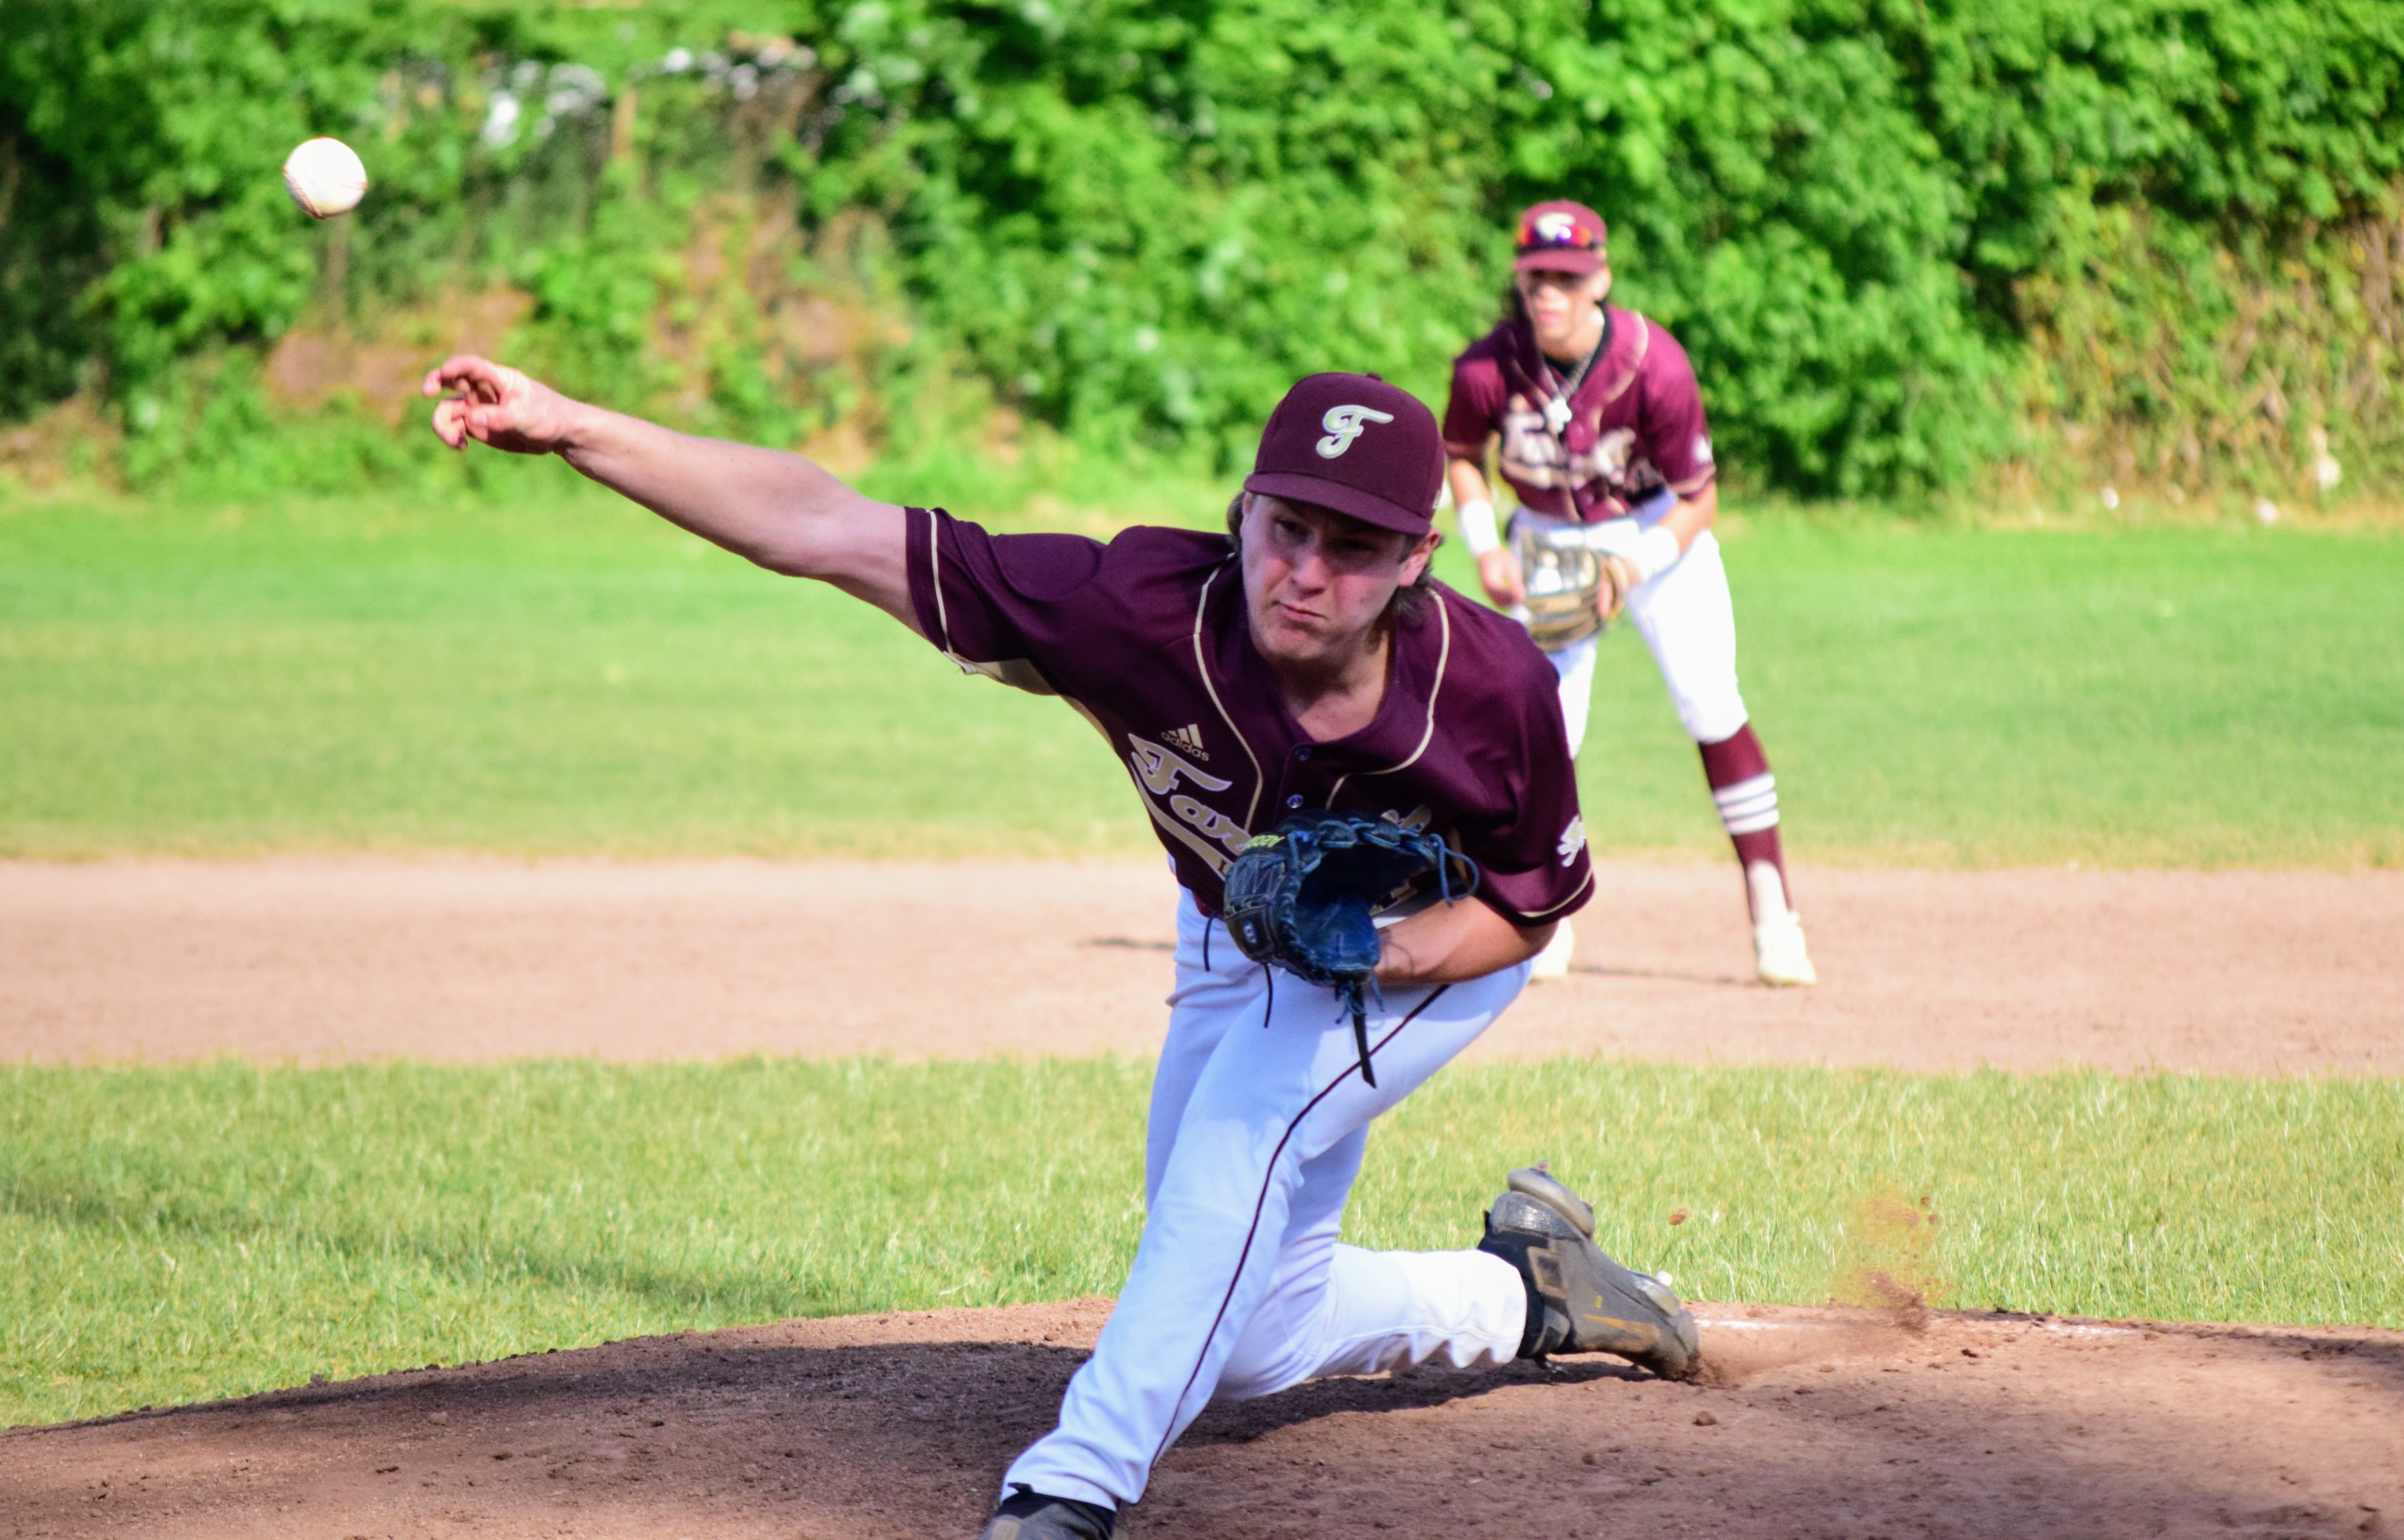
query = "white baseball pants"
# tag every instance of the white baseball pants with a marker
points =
(1685, 616)
(1239, 1286)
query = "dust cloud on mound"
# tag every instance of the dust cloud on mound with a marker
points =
(1811, 1423)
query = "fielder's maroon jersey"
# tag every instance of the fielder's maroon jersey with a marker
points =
(1635, 423)
(1147, 639)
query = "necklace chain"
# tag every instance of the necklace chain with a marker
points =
(1556, 410)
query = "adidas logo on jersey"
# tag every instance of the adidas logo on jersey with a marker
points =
(1187, 740)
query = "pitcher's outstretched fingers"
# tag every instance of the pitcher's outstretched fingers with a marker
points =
(496, 405)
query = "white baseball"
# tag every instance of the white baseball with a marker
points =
(325, 178)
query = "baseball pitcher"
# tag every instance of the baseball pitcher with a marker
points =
(1595, 421)
(1363, 784)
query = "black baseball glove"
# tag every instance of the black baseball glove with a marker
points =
(1301, 898)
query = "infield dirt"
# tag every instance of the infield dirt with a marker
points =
(473, 959)
(1810, 1424)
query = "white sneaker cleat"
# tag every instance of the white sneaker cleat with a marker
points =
(1553, 962)
(1780, 956)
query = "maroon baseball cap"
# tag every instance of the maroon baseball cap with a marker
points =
(1560, 236)
(1356, 445)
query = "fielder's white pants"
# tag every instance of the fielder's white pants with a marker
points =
(1239, 1286)
(1685, 616)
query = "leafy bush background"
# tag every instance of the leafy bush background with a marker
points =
(1907, 244)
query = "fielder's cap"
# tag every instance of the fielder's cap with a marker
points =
(1560, 236)
(1356, 445)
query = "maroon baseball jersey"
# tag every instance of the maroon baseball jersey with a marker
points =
(1635, 423)
(1147, 639)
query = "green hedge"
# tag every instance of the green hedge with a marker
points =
(1898, 239)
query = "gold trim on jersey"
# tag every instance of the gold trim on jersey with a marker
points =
(1583, 889)
(1202, 666)
(1643, 345)
(935, 570)
(1435, 688)
(1017, 673)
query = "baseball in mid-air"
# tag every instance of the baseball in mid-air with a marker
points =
(325, 178)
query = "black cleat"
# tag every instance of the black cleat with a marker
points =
(1027, 1514)
(1579, 1300)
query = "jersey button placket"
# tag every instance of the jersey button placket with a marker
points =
(1301, 756)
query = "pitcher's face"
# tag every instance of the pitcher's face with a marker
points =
(1316, 582)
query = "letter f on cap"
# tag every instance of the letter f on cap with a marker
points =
(1306, 451)
(1345, 424)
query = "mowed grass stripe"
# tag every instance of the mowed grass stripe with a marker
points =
(173, 1234)
(570, 675)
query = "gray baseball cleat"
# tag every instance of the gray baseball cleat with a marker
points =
(1579, 1300)
(1027, 1514)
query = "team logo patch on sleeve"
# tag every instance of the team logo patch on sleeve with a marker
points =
(1573, 840)
(1345, 424)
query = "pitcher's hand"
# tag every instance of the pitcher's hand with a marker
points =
(1499, 571)
(497, 406)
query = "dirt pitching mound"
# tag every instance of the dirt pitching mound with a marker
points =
(1811, 1423)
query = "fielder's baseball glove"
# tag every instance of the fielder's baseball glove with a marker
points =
(1301, 898)
(1573, 590)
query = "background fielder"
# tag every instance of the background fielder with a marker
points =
(1299, 662)
(1598, 425)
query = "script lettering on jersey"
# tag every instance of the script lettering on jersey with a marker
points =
(1214, 824)
(1162, 771)
(1534, 456)
(1158, 768)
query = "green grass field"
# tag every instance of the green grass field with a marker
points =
(563, 675)
(173, 1233)
(570, 675)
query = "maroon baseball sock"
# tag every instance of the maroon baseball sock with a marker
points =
(1746, 794)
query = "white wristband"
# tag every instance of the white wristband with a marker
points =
(1478, 530)
(1655, 550)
